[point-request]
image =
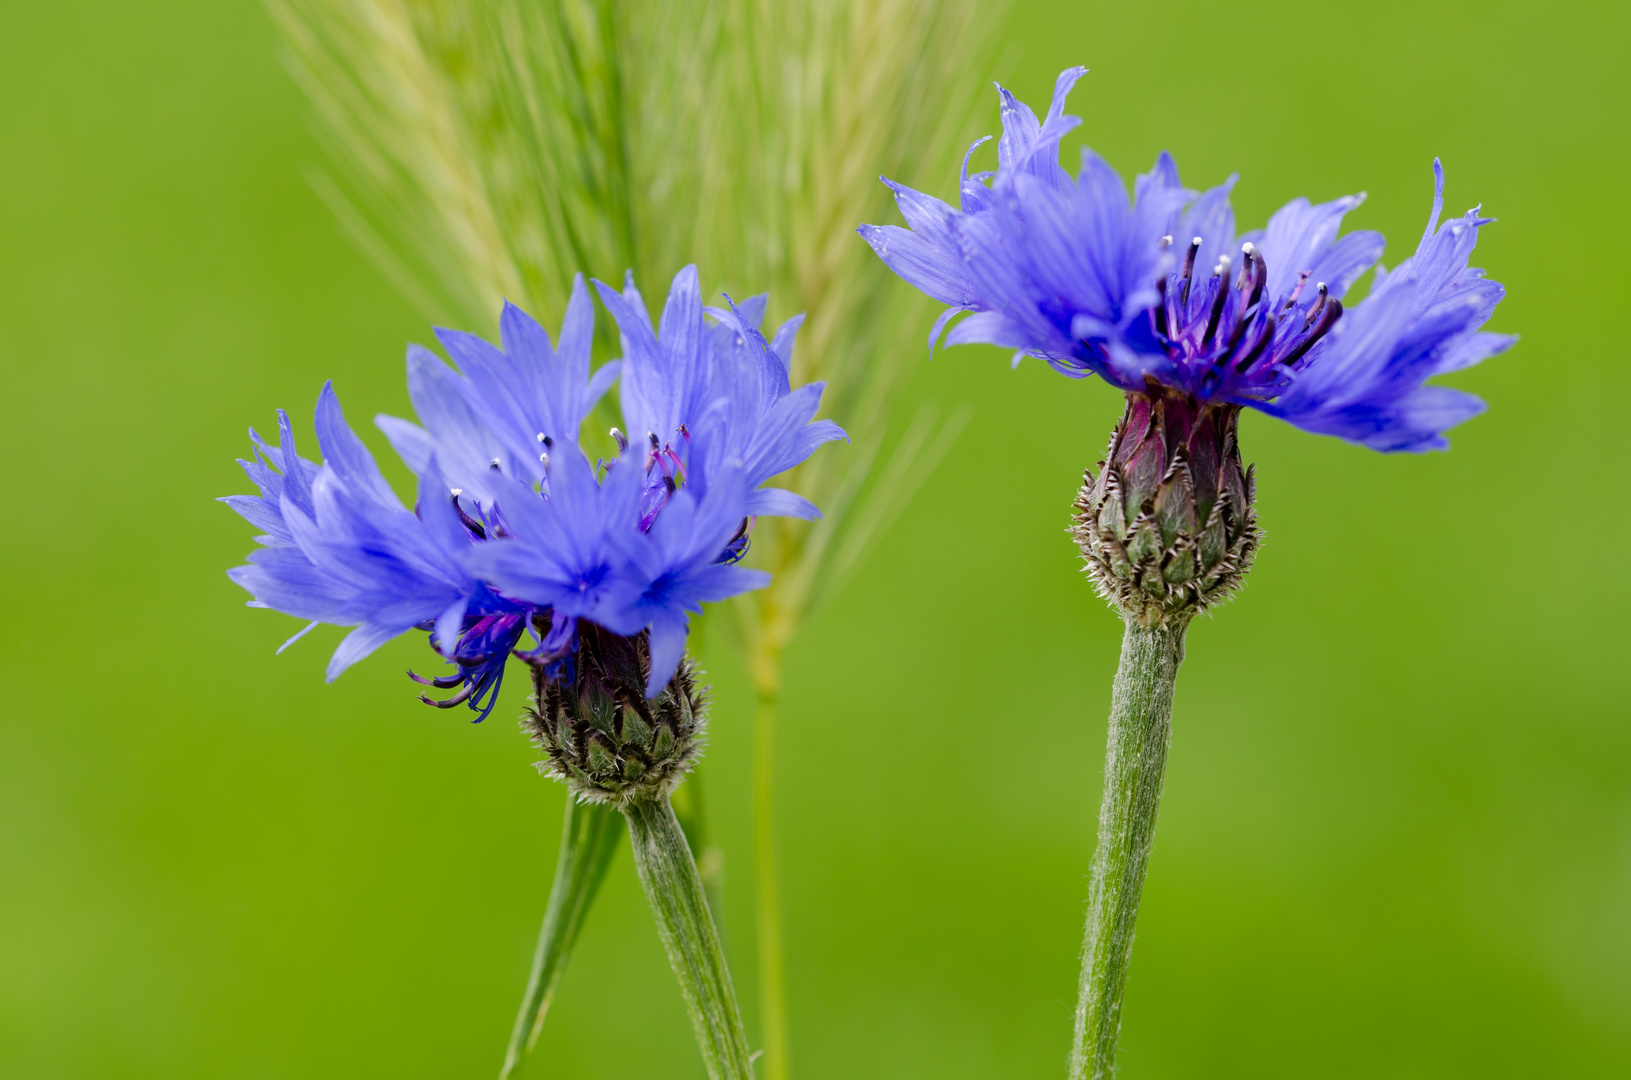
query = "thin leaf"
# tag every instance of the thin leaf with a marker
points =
(590, 835)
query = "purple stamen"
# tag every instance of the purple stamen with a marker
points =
(476, 528)
(1189, 268)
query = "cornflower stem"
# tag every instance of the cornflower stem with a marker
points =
(589, 839)
(669, 875)
(772, 970)
(1134, 765)
(690, 809)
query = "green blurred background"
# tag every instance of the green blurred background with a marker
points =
(1397, 835)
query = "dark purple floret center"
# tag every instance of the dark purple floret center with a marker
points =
(480, 654)
(1227, 337)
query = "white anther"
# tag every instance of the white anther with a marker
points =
(1247, 248)
(542, 436)
(1166, 241)
(456, 492)
(544, 459)
(495, 464)
(1196, 241)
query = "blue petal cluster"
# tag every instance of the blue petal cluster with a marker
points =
(515, 530)
(1076, 273)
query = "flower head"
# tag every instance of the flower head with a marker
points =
(1158, 292)
(515, 529)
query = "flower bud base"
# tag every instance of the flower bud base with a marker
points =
(605, 740)
(1167, 528)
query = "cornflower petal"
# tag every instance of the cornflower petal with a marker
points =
(779, 502)
(357, 645)
(343, 548)
(504, 406)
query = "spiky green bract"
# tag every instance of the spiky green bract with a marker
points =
(605, 739)
(1168, 527)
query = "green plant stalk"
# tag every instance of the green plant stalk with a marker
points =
(1135, 763)
(589, 839)
(772, 965)
(764, 665)
(691, 809)
(669, 875)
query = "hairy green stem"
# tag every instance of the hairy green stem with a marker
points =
(689, 808)
(772, 970)
(1135, 761)
(589, 839)
(669, 875)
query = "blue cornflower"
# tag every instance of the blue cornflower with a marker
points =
(1073, 272)
(515, 530)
